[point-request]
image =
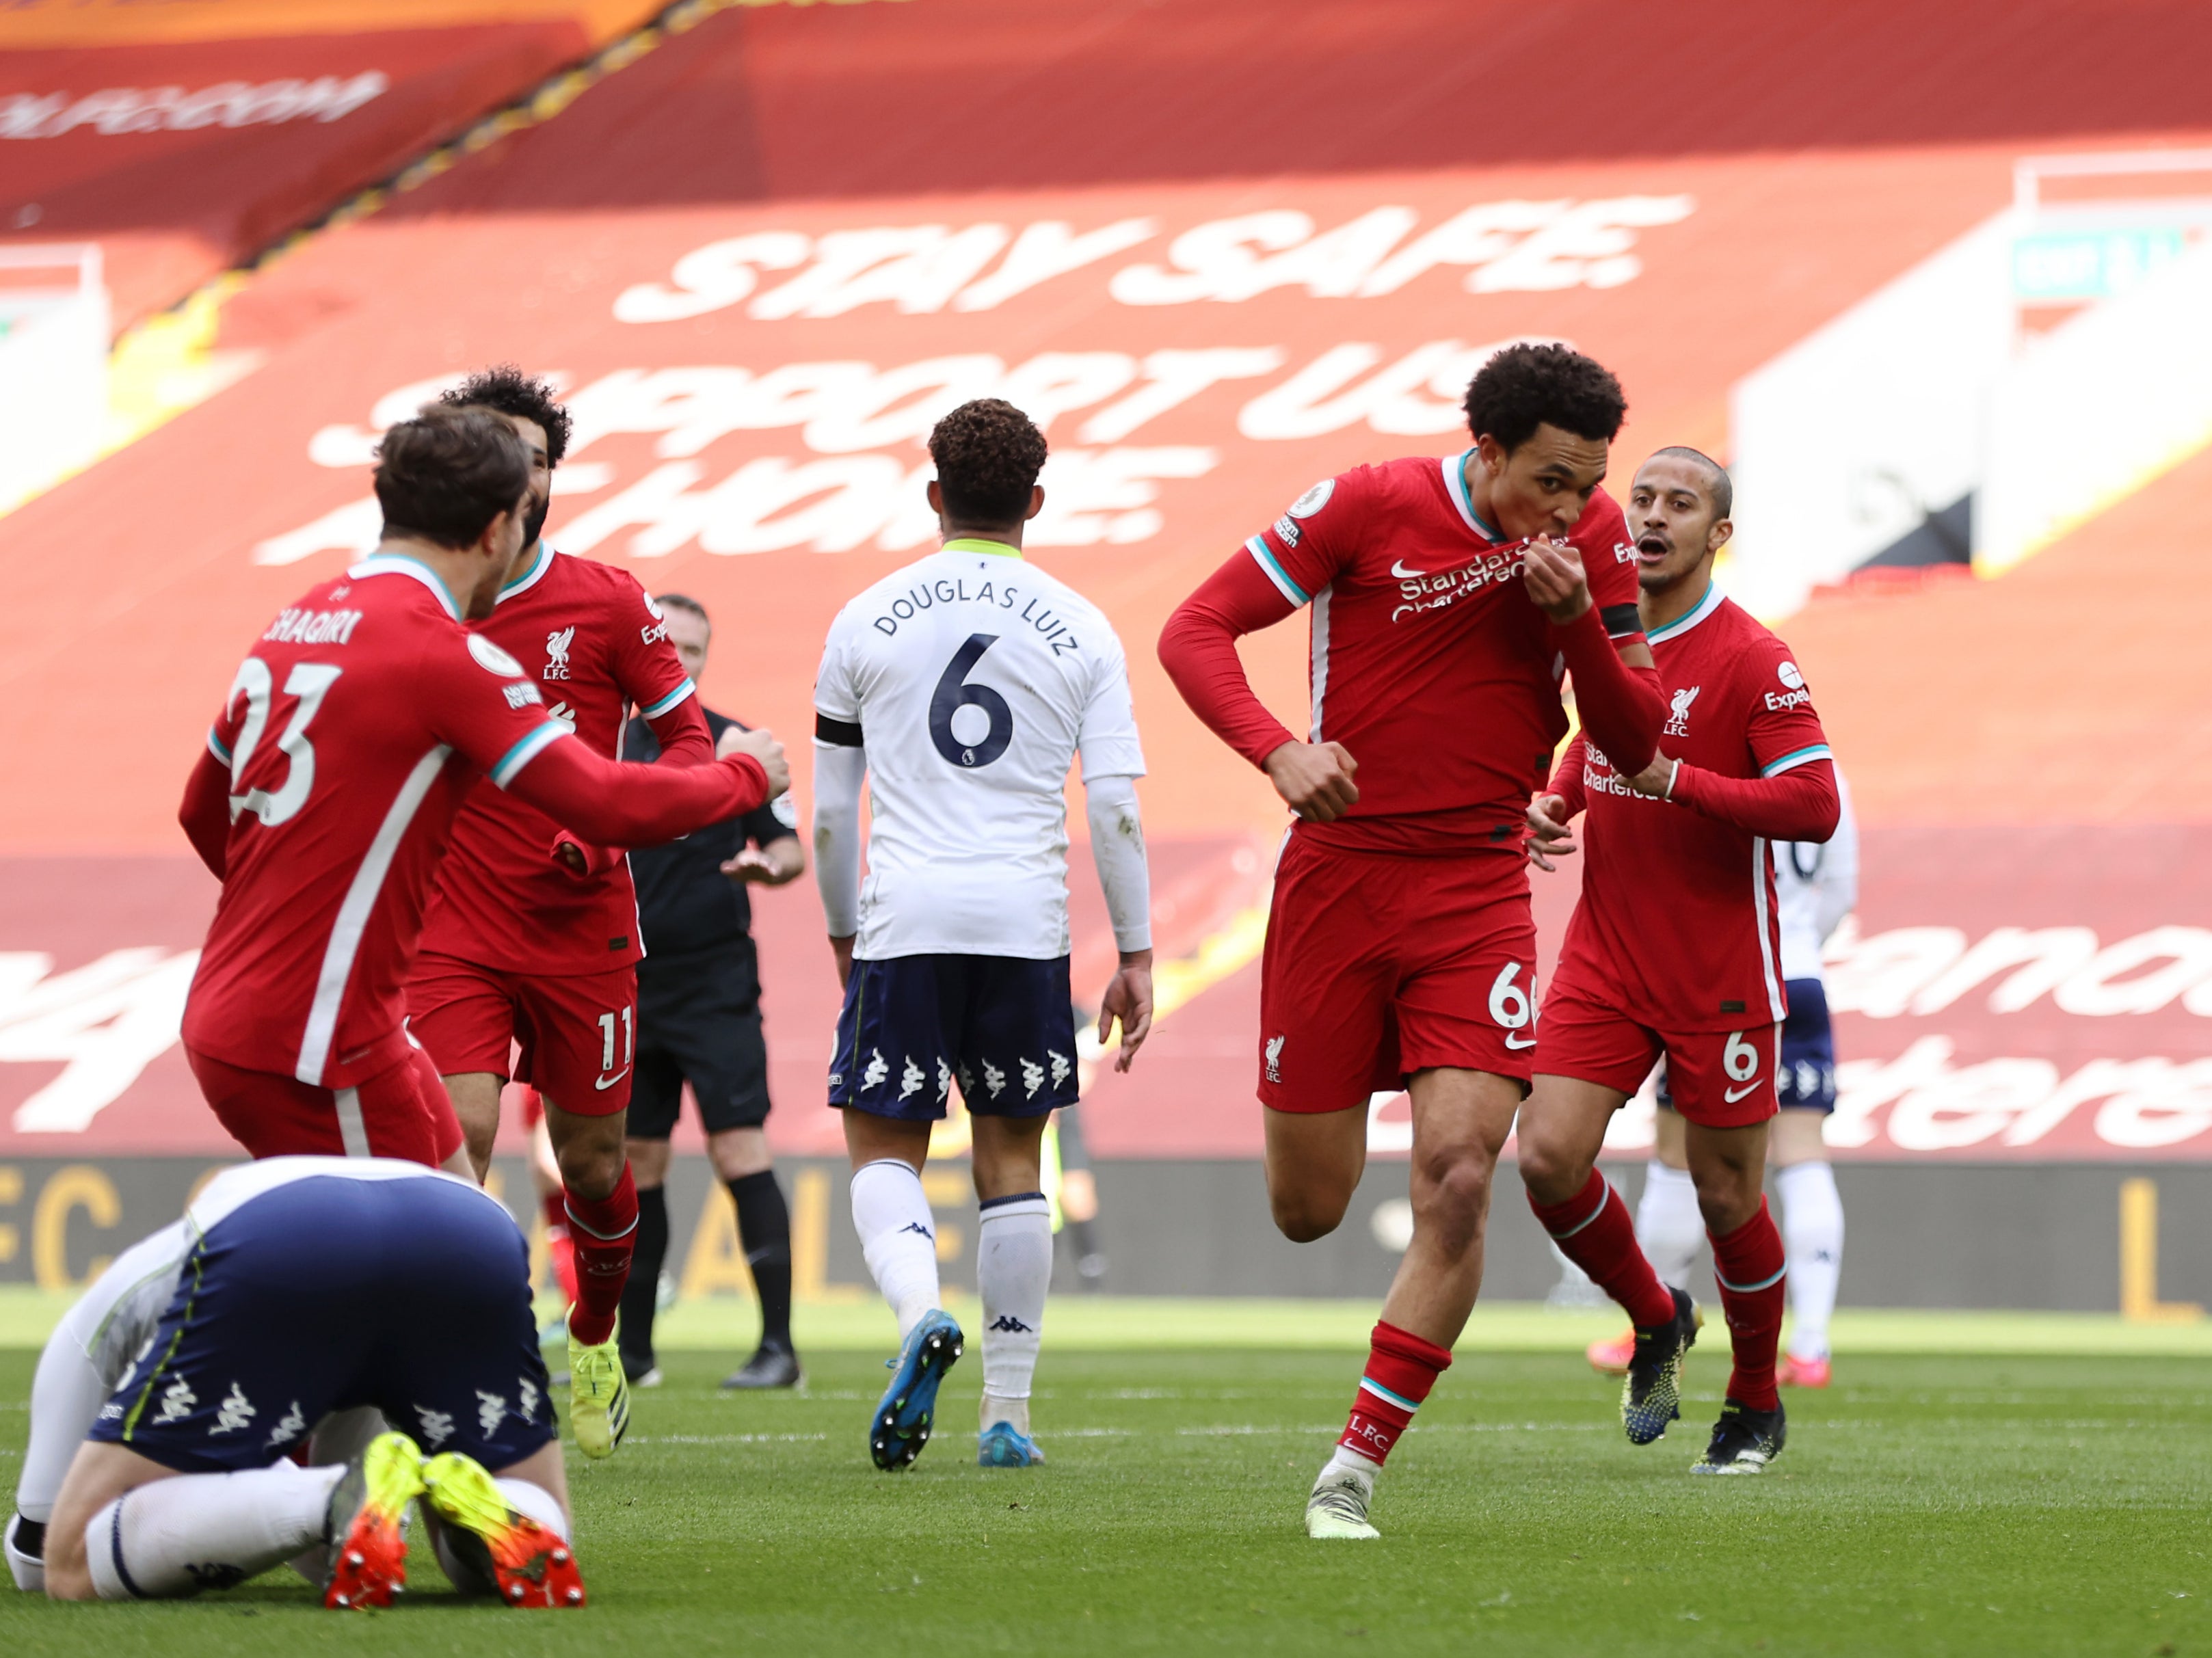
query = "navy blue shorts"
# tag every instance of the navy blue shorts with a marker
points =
(1805, 1080)
(1002, 1026)
(410, 1295)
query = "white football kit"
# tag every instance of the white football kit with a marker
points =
(973, 680)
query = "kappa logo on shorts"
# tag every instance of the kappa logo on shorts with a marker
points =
(1274, 1059)
(994, 1079)
(1032, 1078)
(910, 1079)
(177, 1402)
(491, 1411)
(525, 1398)
(437, 1425)
(944, 1082)
(289, 1427)
(1061, 1070)
(872, 1077)
(235, 1412)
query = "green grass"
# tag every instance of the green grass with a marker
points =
(1927, 1504)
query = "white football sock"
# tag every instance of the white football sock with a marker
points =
(1345, 1460)
(1813, 1237)
(898, 1237)
(1013, 1271)
(533, 1500)
(205, 1530)
(1668, 1224)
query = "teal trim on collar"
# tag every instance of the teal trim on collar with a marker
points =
(537, 568)
(978, 544)
(1464, 498)
(1708, 602)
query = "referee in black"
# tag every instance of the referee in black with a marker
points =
(699, 1020)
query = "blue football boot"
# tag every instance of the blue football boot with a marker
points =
(909, 1407)
(1002, 1445)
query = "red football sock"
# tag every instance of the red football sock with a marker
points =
(605, 1230)
(1748, 1266)
(1595, 1230)
(1402, 1368)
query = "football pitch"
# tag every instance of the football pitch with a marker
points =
(1928, 1504)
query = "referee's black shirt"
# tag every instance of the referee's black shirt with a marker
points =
(685, 904)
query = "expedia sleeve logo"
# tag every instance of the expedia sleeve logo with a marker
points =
(1796, 696)
(493, 659)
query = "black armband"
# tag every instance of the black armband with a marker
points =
(1621, 620)
(840, 734)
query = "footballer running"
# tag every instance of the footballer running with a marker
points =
(1447, 597)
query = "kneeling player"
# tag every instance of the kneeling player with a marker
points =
(295, 1287)
(1673, 950)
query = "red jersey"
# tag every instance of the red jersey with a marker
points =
(1677, 924)
(1430, 663)
(594, 642)
(351, 734)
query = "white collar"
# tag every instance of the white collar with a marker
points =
(546, 553)
(402, 564)
(1682, 624)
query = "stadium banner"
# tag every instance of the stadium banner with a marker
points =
(183, 153)
(2001, 997)
(2134, 1238)
(752, 383)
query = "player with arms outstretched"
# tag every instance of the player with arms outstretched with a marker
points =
(1675, 949)
(961, 689)
(521, 944)
(350, 739)
(1446, 595)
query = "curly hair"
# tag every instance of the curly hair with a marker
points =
(449, 472)
(505, 389)
(988, 454)
(1528, 385)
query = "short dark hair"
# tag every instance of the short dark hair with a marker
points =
(506, 389)
(448, 473)
(1722, 485)
(1528, 385)
(988, 454)
(683, 602)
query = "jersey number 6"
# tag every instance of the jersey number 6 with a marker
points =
(953, 694)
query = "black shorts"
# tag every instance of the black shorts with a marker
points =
(1001, 1026)
(410, 1295)
(698, 1021)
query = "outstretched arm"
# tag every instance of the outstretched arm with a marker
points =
(615, 803)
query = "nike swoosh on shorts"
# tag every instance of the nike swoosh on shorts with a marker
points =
(1735, 1094)
(1510, 1042)
(604, 1083)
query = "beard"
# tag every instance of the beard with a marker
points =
(533, 522)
